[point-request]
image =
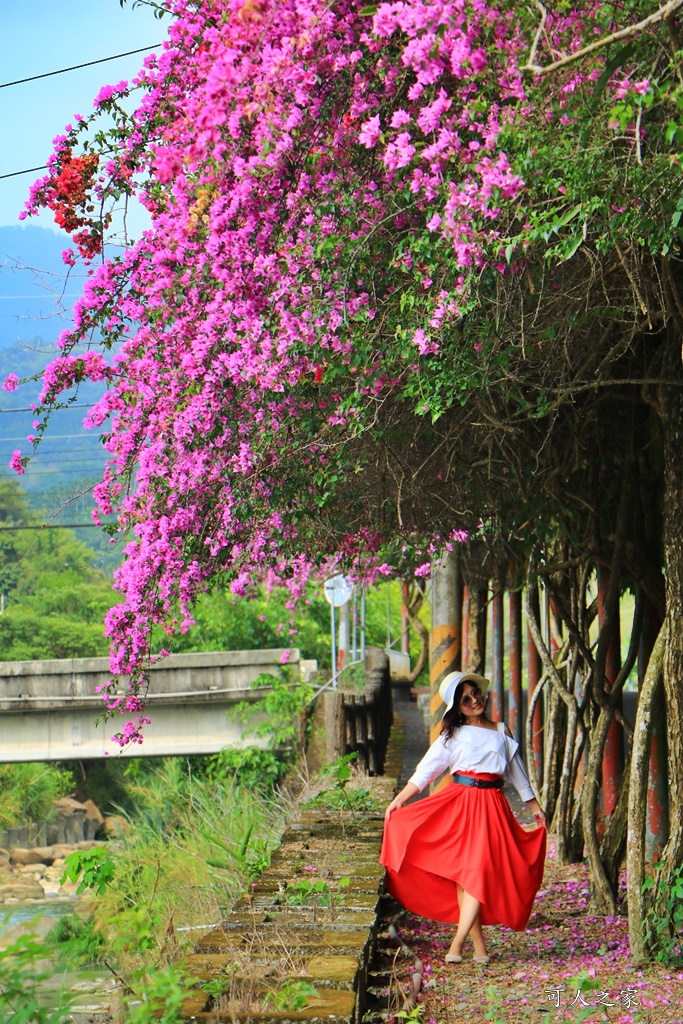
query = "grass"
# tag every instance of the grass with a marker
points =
(192, 847)
(28, 791)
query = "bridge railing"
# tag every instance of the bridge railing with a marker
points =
(347, 721)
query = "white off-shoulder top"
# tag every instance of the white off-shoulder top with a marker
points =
(472, 748)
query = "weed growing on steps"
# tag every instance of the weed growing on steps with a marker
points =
(315, 893)
(347, 793)
(291, 995)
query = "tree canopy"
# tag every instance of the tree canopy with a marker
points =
(408, 265)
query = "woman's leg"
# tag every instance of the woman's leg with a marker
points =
(468, 923)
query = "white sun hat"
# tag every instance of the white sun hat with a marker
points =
(450, 683)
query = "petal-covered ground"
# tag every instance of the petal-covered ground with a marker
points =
(567, 967)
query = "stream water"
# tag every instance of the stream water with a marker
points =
(12, 914)
(90, 990)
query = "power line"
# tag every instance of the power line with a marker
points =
(29, 170)
(86, 436)
(50, 526)
(63, 71)
(76, 67)
(76, 405)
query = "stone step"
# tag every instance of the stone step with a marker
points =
(273, 884)
(338, 972)
(293, 919)
(328, 1005)
(311, 940)
(351, 865)
(290, 900)
(267, 942)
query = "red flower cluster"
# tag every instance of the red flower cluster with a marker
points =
(68, 193)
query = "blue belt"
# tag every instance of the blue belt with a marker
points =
(467, 780)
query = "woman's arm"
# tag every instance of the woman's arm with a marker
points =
(517, 775)
(410, 789)
(435, 761)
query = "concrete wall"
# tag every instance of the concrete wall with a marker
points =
(48, 708)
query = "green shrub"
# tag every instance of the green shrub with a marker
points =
(76, 943)
(250, 767)
(23, 971)
(28, 791)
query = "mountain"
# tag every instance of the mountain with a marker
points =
(35, 299)
(35, 293)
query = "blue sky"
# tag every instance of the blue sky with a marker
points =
(37, 36)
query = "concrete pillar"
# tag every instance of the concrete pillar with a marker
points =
(445, 635)
(405, 626)
(459, 594)
(465, 628)
(613, 756)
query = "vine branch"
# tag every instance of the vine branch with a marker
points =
(623, 33)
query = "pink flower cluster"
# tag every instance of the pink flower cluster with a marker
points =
(276, 146)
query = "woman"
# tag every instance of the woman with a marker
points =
(460, 855)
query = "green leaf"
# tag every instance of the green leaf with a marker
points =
(620, 58)
(562, 221)
(369, 11)
(569, 250)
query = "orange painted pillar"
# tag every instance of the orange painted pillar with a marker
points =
(445, 636)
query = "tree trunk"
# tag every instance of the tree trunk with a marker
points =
(555, 741)
(564, 802)
(603, 899)
(476, 660)
(671, 396)
(613, 846)
(413, 602)
(637, 809)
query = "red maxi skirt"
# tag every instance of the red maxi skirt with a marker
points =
(464, 836)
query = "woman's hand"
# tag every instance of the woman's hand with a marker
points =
(393, 806)
(538, 813)
(410, 789)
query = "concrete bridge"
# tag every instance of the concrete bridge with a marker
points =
(48, 708)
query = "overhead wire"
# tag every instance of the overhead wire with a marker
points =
(28, 408)
(51, 526)
(63, 71)
(77, 67)
(27, 170)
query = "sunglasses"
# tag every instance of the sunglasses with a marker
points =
(470, 698)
